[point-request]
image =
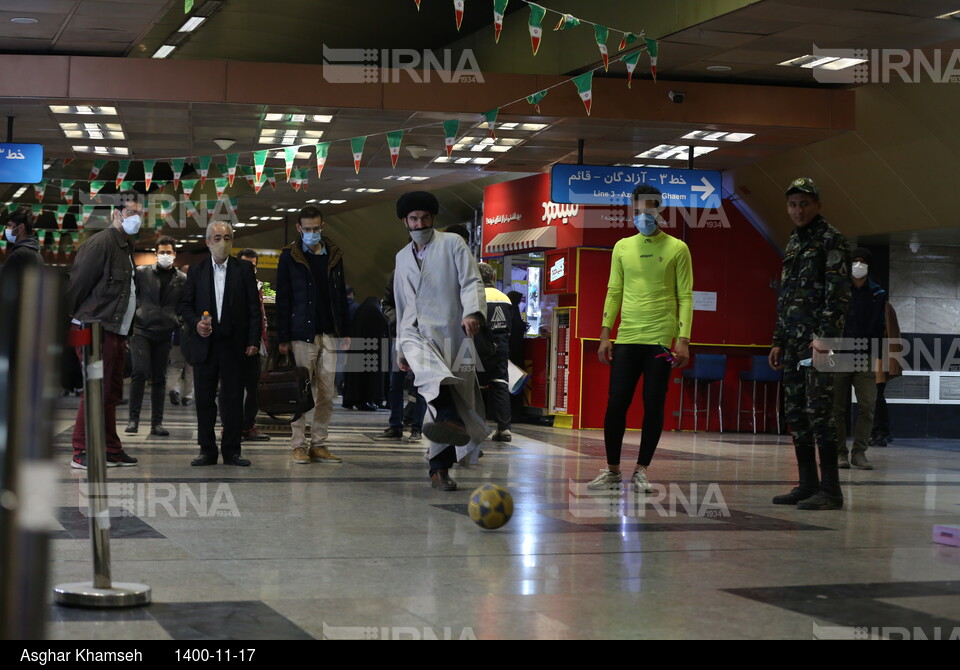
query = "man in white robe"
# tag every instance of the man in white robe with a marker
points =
(440, 307)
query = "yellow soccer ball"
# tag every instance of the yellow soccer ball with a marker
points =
(491, 506)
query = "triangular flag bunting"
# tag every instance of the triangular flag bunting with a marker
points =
(232, 160)
(272, 177)
(122, 173)
(450, 134)
(86, 211)
(248, 174)
(37, 210)
(458, 9)
(257, 185)
(222, 169)
(188, 186)
(491, 118)
(321, 148)
(418, 4)
(601, 33)
(393, 141)
(652, 49)
(631, 62)
(39, 189)
(295, 179)
(567, 21)
(67, 161)
(95, 187)
(536, 26)
(628, 39)
(259, 160)
(176, 164)
(585, 88)
(304, 179)
(288, 155)
(95, 170)
(499, 7)
(66, 190)
(221, 185)
(125, 185)
(204, 168)
(356, 146)
(148, 166)
(61, 212)
(536, 98)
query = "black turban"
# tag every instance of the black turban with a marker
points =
(417, 201)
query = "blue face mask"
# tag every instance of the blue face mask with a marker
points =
(646, 224)
(11, 238)
(311, 239)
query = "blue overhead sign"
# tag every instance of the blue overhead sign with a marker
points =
(21, 163)
(606, 185)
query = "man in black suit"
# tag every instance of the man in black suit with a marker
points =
(221, 310)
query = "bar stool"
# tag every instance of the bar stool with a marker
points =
(760, 373)
(707, 368)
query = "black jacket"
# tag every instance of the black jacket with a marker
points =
(297, 295)
(241, 309)
(25, 252)
(100, 280)
(156, 319)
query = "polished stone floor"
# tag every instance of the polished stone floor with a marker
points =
(366, 549)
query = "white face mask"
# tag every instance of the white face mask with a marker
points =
(421, 237)
(131, 224)
(165, 261)
(220, 250)
(859, 270)
(11, 238)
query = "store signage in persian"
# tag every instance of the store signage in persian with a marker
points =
(608, 185)
(21, 163)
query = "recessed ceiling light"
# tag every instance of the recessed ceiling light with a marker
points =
(25, 20)
(192, 24)
(672, 152)
(163, 51)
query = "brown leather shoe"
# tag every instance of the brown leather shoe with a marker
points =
(441, 481)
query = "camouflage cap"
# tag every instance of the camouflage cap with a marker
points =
(804, 185)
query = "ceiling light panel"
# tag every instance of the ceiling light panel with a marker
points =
(673, 152)
(83, 110)
(717, 136)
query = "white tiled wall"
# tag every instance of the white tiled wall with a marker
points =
(925, 288)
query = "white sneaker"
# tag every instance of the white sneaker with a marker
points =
(640, 483)
(606, 480)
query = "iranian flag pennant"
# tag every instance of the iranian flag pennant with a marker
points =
(95, 187)
(567, 21)
(39, 189)
(536, 98)
(232, 160)
(418, 4)
(631, 62)
(222, 169)
(294, 179)
(66, 190)
(585, 88)
(204, 168)
(356, 146)
(259, 160)
(272, 177)
(189, 185)
(289, 154)
(95, 170)
(536, 26)
(652, 49)
(491, 119)
(67, 161)
(628, 39)
(122, 173)
(601, 33)
(221, 185)
(304, 179)
(393, 141)
(257, 185)
(148, 167)
(321, 149)
(61, 212)
(176, 164)
(450, 134)
(458, 9)
(125, 185)
(85, 213)
(499, 7)
(248, 174)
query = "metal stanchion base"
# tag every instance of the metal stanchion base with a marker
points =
(84, 594)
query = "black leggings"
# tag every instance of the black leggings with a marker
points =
(630, 362)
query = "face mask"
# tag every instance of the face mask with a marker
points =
(859, 270)
(131, 224)
(646, 224)
(11, 238)
(220, 250)
(165, 261)
(311, 239)
(421, 237)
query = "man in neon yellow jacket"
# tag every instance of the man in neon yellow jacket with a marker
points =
(651, 288)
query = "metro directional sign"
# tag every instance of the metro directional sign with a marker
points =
(21, 163)
(606, 185)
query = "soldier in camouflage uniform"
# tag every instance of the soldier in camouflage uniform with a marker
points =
(814, 293)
